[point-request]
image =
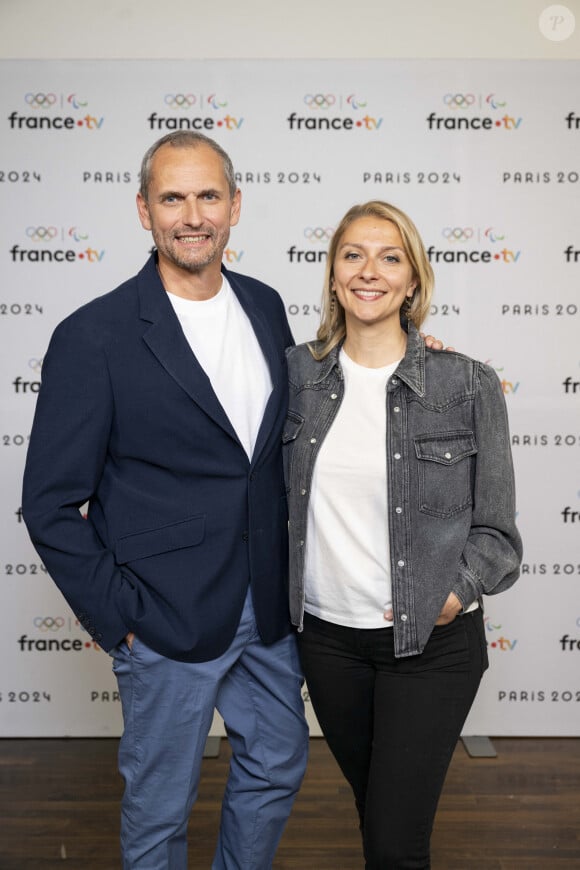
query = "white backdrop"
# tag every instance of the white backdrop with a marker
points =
(483, 155)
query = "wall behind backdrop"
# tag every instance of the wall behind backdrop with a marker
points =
(483, 155)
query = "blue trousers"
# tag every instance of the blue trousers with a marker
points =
(168, 708)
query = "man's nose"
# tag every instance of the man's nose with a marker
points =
(190, 212)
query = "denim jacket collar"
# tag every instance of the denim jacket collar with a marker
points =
(411, 369)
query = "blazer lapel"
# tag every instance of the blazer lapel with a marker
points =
(167, 342)
(263, 332)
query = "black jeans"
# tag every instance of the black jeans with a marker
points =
(393, 724)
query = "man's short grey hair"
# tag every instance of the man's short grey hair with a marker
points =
(185, 139)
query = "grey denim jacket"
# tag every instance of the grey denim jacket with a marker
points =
(451, 499)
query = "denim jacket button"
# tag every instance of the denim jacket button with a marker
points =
(401, 563)
(448, 455)
(397, 455)
(302, 492)
(404, 617)
(398, 510)
(334, 396)
(313, 440)
(396, 409)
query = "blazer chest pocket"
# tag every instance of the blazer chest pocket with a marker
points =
(445, 464)
(154, 542)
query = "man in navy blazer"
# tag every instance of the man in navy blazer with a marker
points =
(162, 405)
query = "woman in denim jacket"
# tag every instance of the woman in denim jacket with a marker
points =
(401, 495)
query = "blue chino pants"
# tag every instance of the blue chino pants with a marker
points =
(168, 708)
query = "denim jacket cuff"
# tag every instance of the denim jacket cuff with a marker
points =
(467, 586)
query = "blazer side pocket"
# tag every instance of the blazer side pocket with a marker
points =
(152, 542)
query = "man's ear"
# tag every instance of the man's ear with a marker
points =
(143, 212)
(236, 208)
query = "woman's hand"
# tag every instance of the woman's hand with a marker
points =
(450, 610)
(129, 639)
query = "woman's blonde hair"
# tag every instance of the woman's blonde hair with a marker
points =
(332, 327)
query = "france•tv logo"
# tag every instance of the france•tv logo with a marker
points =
(67, 112)
(500, 642)
(182, 101)
(314, 235)
(71, 243)
(570, 515)
(488, 246)
(459, 103)
(321, 106)
(508, 387)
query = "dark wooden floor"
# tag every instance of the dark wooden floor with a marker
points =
(520, 811)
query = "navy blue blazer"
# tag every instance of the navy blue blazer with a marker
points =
(179, 520)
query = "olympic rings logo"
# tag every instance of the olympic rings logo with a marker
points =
(180, 101)
(459, 101)
(40, 100)
(318, 234)
(319, 101)
(35, 364)
(457, 234)
(49, 623)
(41, 234)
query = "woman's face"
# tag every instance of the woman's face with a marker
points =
(372, 273)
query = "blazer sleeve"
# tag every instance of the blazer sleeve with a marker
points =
(491, 558)
(64, 465)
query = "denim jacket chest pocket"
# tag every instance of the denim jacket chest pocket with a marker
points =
(446, 463)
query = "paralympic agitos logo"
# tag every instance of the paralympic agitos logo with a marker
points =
(189, 111)
(325, 111)
(51, 244)
(473, 245)
(52, 111)
(472, 111)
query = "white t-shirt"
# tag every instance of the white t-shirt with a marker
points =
(347, 560)
(225, 345)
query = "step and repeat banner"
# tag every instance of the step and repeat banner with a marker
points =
(484, 156)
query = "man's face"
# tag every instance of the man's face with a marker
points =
(189, 209)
